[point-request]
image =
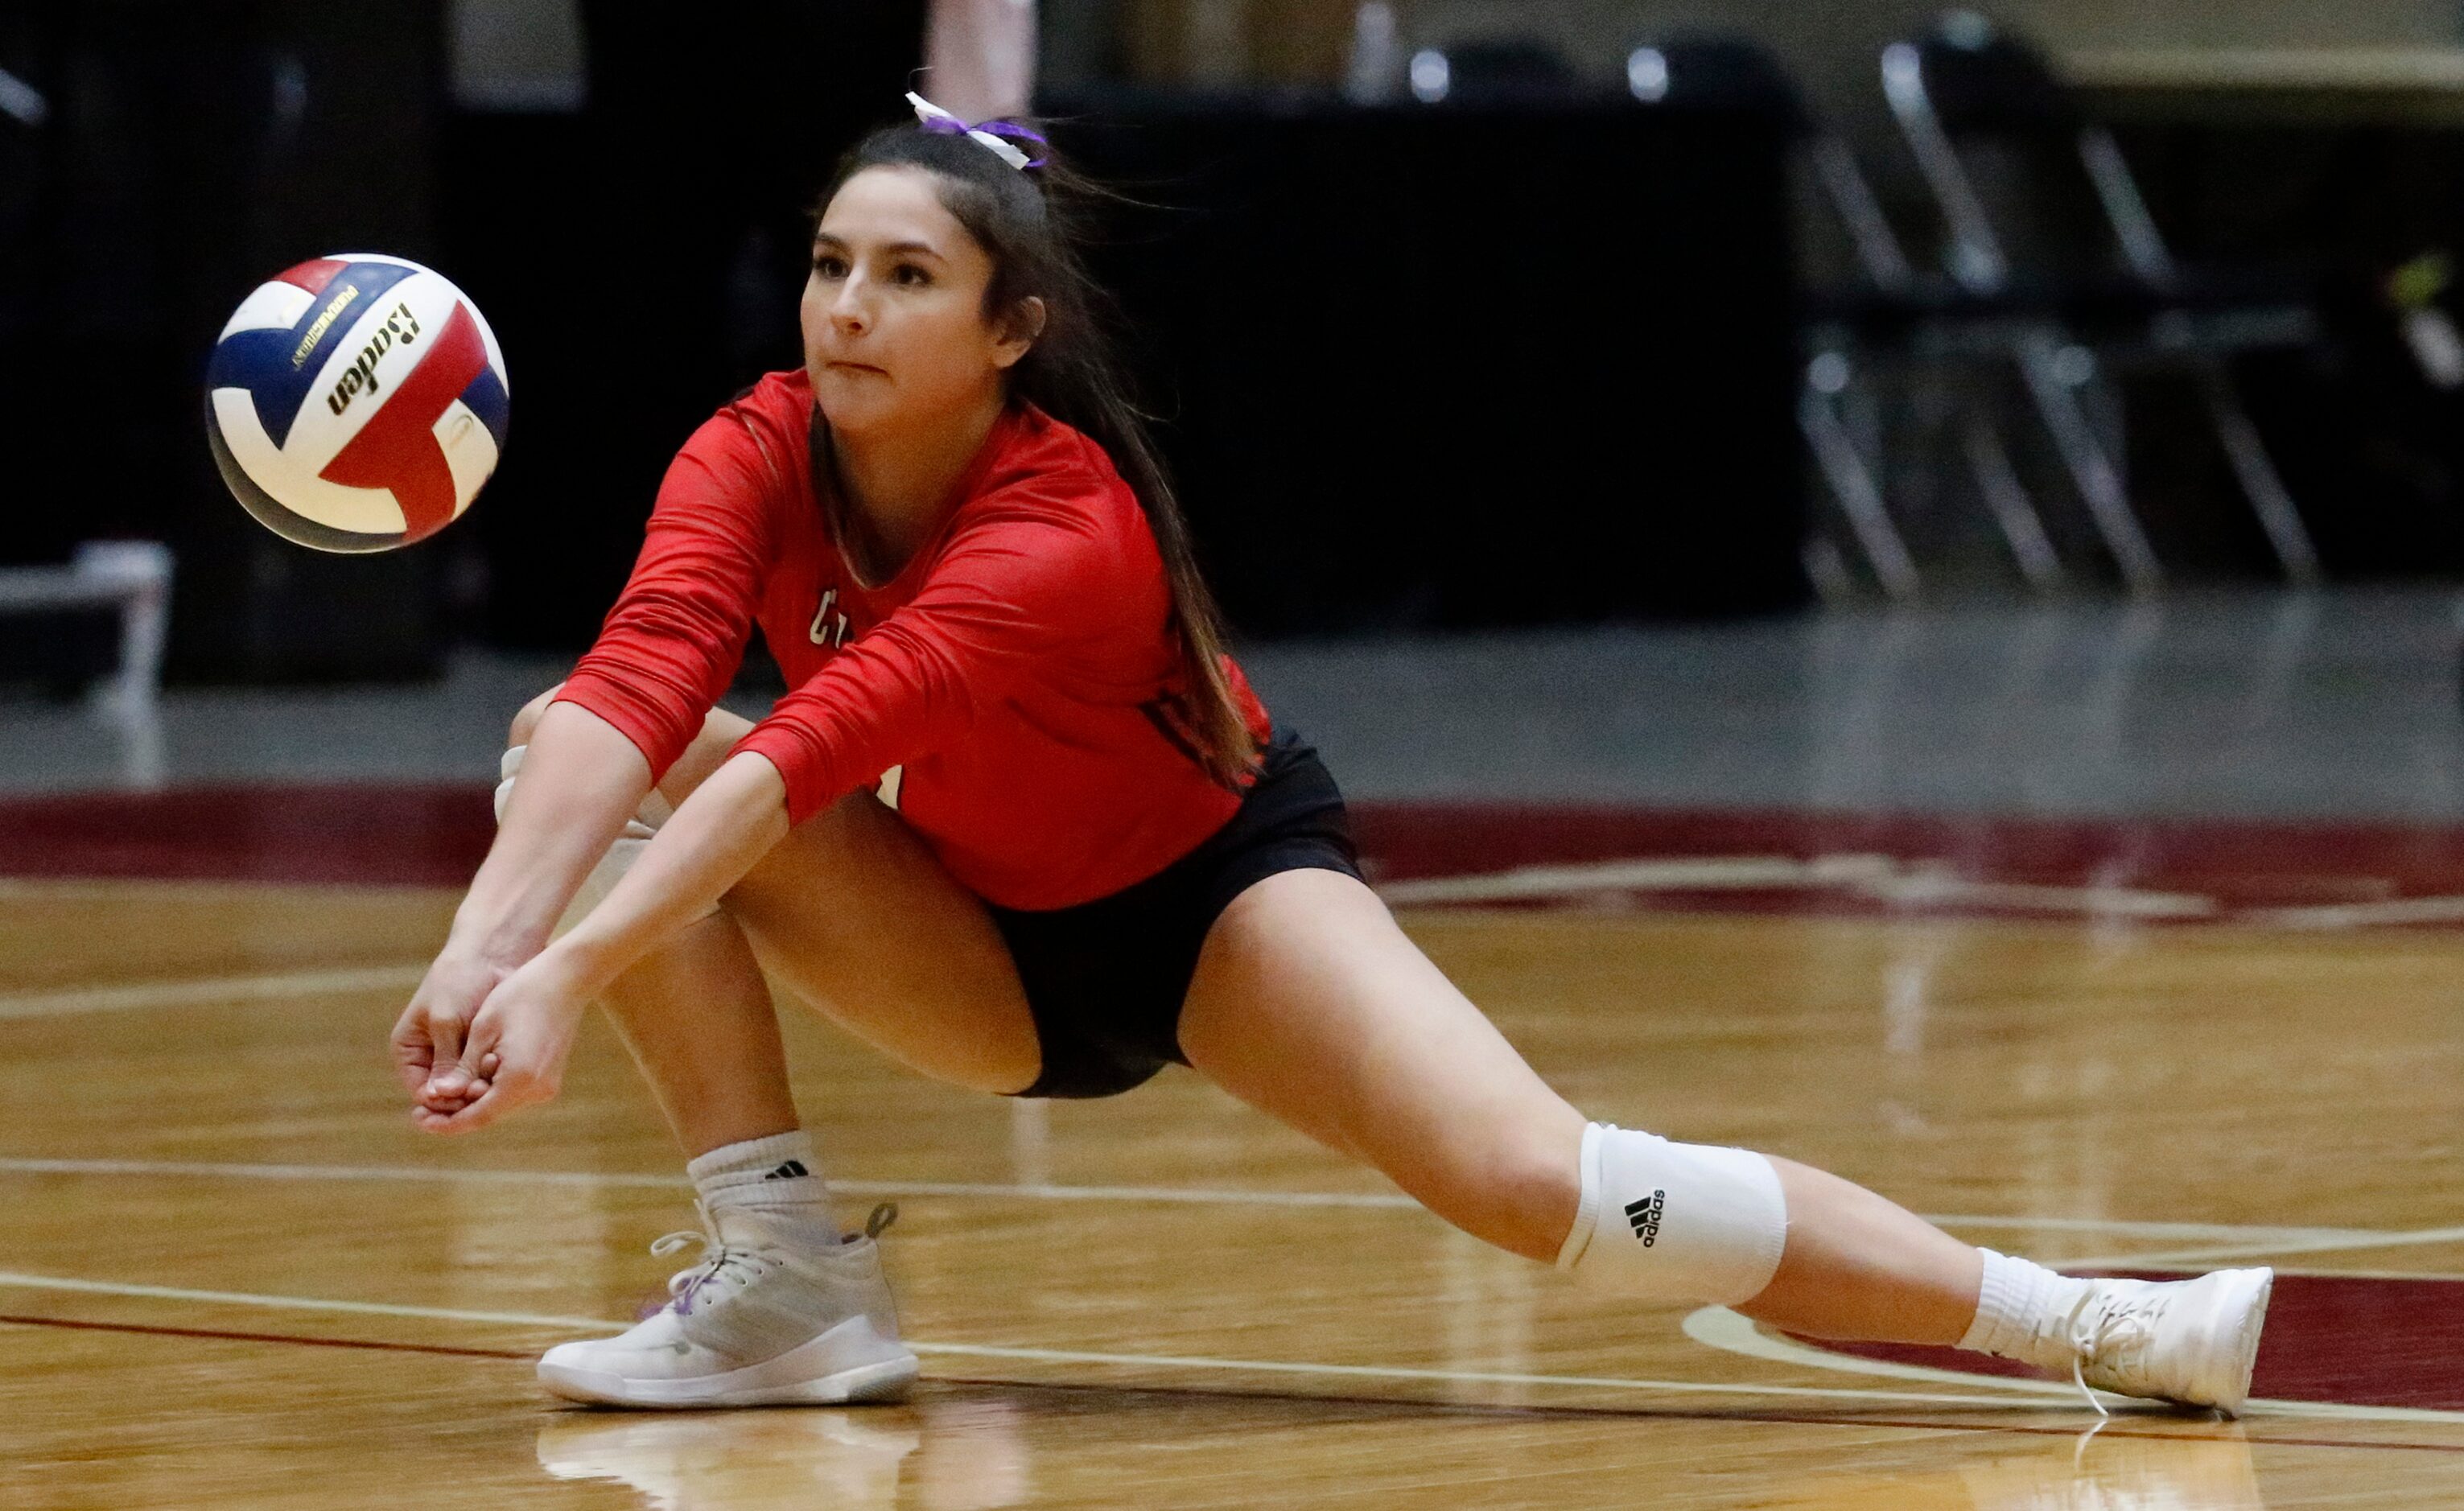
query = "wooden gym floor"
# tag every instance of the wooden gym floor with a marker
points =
(231, 1273)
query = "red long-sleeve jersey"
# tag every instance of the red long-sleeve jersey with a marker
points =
(1016, 676)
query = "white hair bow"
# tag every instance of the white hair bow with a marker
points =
(933, 117)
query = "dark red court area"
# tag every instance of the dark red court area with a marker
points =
(2156, 870)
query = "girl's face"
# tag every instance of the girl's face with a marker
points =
(894, 314)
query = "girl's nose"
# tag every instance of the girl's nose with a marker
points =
(848, 306)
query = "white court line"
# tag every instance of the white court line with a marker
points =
(970, 1350)
(1713, 1325)
(1373, 1371)
(1689, 874)
(2236, 1238)
(1922, 885)
(143, 994)
(1199, 1196)
(2362, 915)
(181, 1293)
(165, 889)
(2222, 1232)
(2327, 1242)
(1883, 877)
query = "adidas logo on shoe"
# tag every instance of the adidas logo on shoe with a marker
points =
(788, 1172)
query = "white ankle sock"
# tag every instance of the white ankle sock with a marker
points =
(2020, 1308)
(774, 1182)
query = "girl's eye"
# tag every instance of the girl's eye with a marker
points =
(829, 267)
(910, 274)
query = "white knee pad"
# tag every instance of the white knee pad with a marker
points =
(1675, 1221)
(621, 852)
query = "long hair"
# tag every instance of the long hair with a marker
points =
(1031, 223)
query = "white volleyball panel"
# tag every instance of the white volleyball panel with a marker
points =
(276, 306)
(366, 510)
(385, 342)
(470, 452)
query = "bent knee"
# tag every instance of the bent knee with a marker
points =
(527, 720)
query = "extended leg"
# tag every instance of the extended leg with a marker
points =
(1312, 1006)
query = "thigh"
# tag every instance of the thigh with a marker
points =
(853, 913)
(1312, 1006)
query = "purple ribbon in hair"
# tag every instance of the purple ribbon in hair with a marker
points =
(990, 134)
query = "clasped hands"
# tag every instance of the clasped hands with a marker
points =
(481, 1038)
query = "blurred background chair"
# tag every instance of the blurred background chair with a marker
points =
(130, 580)
(1881, 340)
(1492, 70)
(2042, 215)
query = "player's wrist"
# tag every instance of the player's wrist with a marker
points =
(493, 941)
(587, 960)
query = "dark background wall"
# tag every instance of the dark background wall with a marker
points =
(641, 261)
(191, 151)
(1479, 367)
(1417, 369)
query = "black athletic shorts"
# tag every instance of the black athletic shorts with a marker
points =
(1105, 979)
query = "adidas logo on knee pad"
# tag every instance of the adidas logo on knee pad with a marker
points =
(1643, 1216)
(1718, 1241)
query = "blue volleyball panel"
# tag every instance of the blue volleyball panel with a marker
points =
(278, 367)
(485, 397)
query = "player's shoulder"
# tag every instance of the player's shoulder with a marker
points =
(1041, 467)
(1052, 519)
(775, 415)
(753, 447)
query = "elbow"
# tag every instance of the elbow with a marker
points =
(526, 721)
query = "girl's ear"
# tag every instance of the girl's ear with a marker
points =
(1019, 332)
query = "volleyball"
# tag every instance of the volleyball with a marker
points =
(356, 403)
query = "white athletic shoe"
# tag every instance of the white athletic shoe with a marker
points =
(2192, 1342)
(754, 1323)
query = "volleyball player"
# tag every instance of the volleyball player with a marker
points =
(1020, 824)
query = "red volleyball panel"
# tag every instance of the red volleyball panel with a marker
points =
(397, 448)
(313, 274)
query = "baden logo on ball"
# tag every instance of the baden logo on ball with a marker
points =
(356, 403)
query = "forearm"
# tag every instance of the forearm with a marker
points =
(730, 820)
(580, 780)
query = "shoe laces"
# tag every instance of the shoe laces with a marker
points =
(717, 1259)
(2102, 1322)
(720, 1257)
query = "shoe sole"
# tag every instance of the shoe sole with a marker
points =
(2248, 1295)
(849, 1364)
